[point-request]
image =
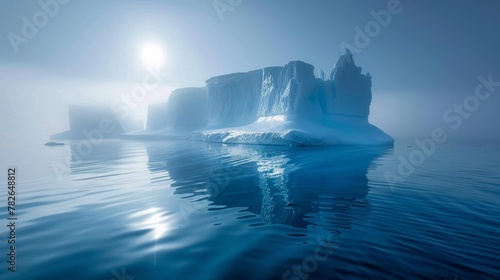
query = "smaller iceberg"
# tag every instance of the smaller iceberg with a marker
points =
(95, 121)
(286, 105)
(54, 144)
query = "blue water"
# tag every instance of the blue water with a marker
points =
(191, 210)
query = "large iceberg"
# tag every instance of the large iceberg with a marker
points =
(276, 105)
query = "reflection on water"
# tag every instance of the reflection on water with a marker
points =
(192, 210)
(291, 186)
(321, 190)
(202, 186)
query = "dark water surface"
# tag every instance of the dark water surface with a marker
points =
(191, 210)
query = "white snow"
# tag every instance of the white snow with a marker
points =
(283, 130)
(276, 106)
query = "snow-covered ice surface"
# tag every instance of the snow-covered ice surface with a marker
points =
(280, 130)
(276, 106)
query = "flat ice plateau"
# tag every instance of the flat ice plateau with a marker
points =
(329, 130)
(286, 105)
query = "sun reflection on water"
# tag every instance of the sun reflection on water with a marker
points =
(154, 220)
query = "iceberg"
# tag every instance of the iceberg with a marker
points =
(89, 121)
(286, 105)
(185, 111)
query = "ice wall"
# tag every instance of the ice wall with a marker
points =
(271, 102)
(186, 109)
(289, 90)
(233, 99)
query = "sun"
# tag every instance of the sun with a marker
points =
(152, 55)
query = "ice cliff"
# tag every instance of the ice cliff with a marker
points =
(185, 111)
(286, 105)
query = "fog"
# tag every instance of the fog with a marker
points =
(416, 114)
(424, 59)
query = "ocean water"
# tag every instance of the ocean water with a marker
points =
(190, 210)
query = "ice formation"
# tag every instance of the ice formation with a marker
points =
(185, 111)
(89, 122)
(276, 105)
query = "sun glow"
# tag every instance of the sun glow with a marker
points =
(152, 55)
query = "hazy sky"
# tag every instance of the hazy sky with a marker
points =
(426, 58)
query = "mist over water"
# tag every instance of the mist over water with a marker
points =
(42, 111)
(416, 114)
(97, 208)
(424, 58)
(196, 210)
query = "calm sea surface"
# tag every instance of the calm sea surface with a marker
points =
(190, 210)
